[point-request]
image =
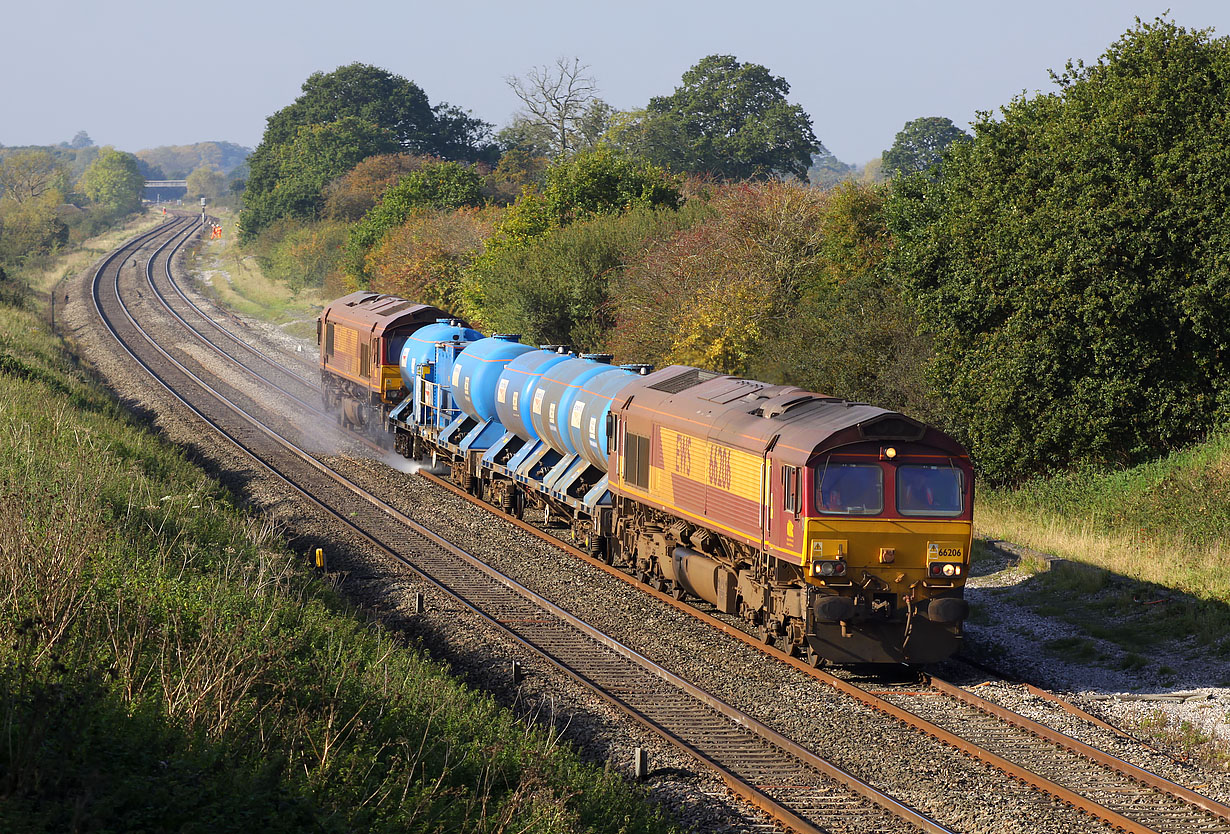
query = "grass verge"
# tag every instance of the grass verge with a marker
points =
(167, 664)
(235, 280)
(1147, 546)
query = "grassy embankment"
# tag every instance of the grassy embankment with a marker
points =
(237, 282)
(167, 664)
(1148, 565)
(1158, 529)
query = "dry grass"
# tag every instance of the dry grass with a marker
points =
(1169, 560)
(237, 282)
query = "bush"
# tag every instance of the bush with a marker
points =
(438, 185)
(306, 254)
(1071, 263)
(424, 258)
(725, 294)
(554, 287)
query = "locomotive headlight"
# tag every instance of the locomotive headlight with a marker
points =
(950, 570)
(826, 568)
(830, 568)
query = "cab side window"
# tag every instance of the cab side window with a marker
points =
(790, 489)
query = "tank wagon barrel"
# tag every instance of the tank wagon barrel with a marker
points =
(841, 529)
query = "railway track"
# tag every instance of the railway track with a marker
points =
(799, 791)
(1125, 796)
(791, 784)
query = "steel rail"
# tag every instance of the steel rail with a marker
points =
(1080, 748)
(307, 383)
(747, 790)
(880, 704)
(149, 277)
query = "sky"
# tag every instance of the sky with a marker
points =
(138, 74)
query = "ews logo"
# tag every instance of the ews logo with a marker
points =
(683, 454)
(719, 467)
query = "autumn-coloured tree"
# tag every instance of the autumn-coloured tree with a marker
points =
(353, 194)
(423, 259)
(714, 295)
(308, 254)
(554, 287)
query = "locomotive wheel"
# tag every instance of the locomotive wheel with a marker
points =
(678, 593)
(814, 660)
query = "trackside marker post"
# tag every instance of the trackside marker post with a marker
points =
(321, 562)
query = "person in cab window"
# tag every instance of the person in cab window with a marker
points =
(927, 490)
(850, 489)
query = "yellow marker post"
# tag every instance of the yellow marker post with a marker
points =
(320, 558)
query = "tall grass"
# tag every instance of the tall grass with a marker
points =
(1165, 522)
(166, 663)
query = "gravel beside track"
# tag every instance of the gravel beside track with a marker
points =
(961, 793)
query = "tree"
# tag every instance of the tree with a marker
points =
(920, 145)
(439, 185)
(395, 108)
(306, 254)
(114, 182)
(81, 140)
(1071, 264)
(294, 174)
(554, 288)
(560, 102)
(425, 258)
(206, 182)
(604, 181)
(589, 183)
(353, 194)
(29, 175)
(460, 136)
(30, 227)
(718, 295)
(732, 121)
(361, 91)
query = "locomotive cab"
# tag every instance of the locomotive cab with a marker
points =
(886, 531)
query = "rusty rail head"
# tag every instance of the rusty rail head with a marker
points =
(1101, 757)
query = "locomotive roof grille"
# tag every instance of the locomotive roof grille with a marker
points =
(684, 381)
(396, 308)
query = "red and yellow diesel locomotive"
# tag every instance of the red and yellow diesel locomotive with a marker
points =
(840, 528)
(360, 337)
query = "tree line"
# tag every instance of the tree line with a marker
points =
(51, 196)
(1050, 288)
